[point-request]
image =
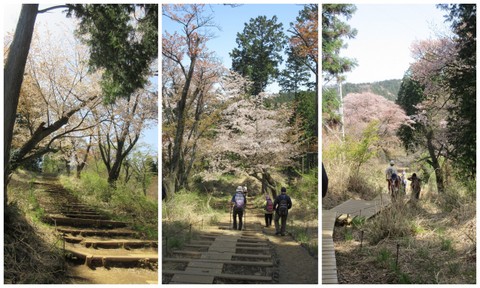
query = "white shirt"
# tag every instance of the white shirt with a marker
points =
(390, 170)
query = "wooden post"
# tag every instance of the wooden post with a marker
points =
(398, 247)
(361, 240)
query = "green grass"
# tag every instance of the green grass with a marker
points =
(304, 235)
(348, 235)
(446, 244)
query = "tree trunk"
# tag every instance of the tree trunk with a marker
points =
(13, 78)
(81, 165)
(268, 183)
(271, 183)
(68, 167)
(178, 142)
(169, 184)
(128, 175)
(434, 162)
(114, 172)
(79, 171)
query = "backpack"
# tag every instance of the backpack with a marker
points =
(269, 205)
(239, 201)
(283, 207)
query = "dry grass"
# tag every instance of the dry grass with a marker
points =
(31, 253)
(435, 247)
(436, 236)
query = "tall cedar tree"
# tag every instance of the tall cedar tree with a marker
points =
(258, 53)
(333, 33)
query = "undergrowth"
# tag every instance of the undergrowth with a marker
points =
(185, 215)
(124, 202)
(436, 244)
(31, 253)
(303, 217)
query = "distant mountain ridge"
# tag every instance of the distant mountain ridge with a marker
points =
(386, 88)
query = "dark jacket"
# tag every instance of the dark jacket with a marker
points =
(279, 198)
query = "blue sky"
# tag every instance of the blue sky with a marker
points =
(385, 34)
(232, 21)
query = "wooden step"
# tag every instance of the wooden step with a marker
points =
(94, 232)
(262, 256)
(86, 216)
(92, 260)
(221, 275)
(80, 222)
(231, 262)
(253, 248)
(120, 243)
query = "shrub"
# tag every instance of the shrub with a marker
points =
(392, 222)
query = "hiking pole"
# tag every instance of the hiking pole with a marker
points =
(230, 217)
(245, 218)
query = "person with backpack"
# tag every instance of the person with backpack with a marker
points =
(238, 205)
(389, 172)
(415, 185)
(268, 211)
(281, 206)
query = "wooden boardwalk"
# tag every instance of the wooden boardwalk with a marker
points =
(329, 263)
(204, 266)
(363, 208)
(353, 208)
(208, 259)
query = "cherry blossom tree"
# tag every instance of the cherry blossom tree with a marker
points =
(136, 54)
(426, 93)
(254, 140)
(121, 125)
(363, 108)
(81, 150)
(56, 98)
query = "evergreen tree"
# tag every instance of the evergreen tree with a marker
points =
(410, 94)
(462, 81)
(295, 74)
(125, 49)
(258, 53)
(333, 33)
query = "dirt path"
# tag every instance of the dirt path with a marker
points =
(295, 264)
(99, 250)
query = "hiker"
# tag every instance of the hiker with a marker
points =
(403, 183)
(415, 186)
(238, 205)
(281, 205)
(268, 211)
(389, 172)
(245, 191)
(324, 181)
